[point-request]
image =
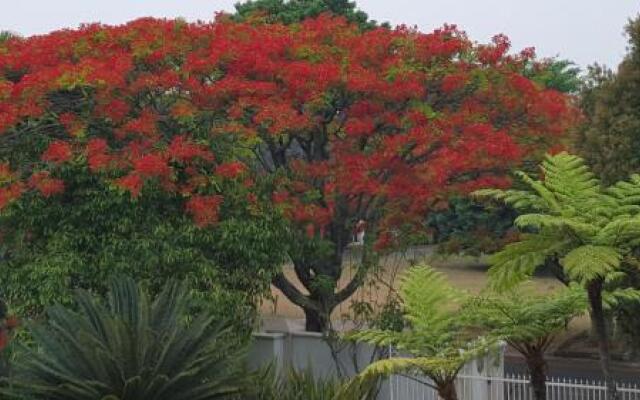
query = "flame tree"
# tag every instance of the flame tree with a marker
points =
(319, 122)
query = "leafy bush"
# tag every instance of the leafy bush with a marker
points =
(469, 227)
(129, 348)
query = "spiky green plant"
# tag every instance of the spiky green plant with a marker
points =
(528, 322)
(130, 348)
(569, 219)
(268, 384)
(437, 341)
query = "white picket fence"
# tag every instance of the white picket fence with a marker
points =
(510, 387)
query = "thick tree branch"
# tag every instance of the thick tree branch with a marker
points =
(293, 294)
(303, 272)
(353, 285)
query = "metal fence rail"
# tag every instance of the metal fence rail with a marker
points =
(510, 387)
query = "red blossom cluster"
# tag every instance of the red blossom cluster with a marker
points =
(58, 152)
(204, 209)
(386, 118)
(45, 184)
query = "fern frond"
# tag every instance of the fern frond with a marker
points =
(518, 199)
(580, 228)
(612, 299)
(623, 230)
(363, 382)
(627, 192)
(589, 262)
(568, 177)
(523, 317)
(428, 298)
(518, 261)
(545, 194)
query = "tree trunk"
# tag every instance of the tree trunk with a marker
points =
(447, 390)
(594, 289)
(315, 321)
(538, 370)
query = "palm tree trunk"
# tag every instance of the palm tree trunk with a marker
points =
(594, 290)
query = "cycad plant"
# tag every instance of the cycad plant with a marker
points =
(437, 342)
(528, 322)
(570, 219)
(130, 348)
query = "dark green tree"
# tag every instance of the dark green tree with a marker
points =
(609, 139)
(53, 246)
(292, 11)
(471, 227)
(559, 74)
(6, 35)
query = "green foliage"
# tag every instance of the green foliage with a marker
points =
(573, 221)
(133, 347)
(624, 306)
(51, 246)
(437, 340)
(609, 137)
(561, 75)
(6, 35)
(293, 385)
(568, 217)
(522, 318)
(293, 11)
(470, 227)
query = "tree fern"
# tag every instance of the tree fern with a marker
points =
(437, 343)
(588, 228)
(528, 322)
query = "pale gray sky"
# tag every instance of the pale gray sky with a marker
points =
(585, 31)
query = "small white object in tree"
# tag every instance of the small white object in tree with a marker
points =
(359, 232)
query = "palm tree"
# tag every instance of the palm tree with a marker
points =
(437, 341)
(569, 220)
(529, 323)
(131, 348)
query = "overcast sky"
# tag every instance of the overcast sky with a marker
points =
(585, 31)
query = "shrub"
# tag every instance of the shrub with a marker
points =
(130, 348)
